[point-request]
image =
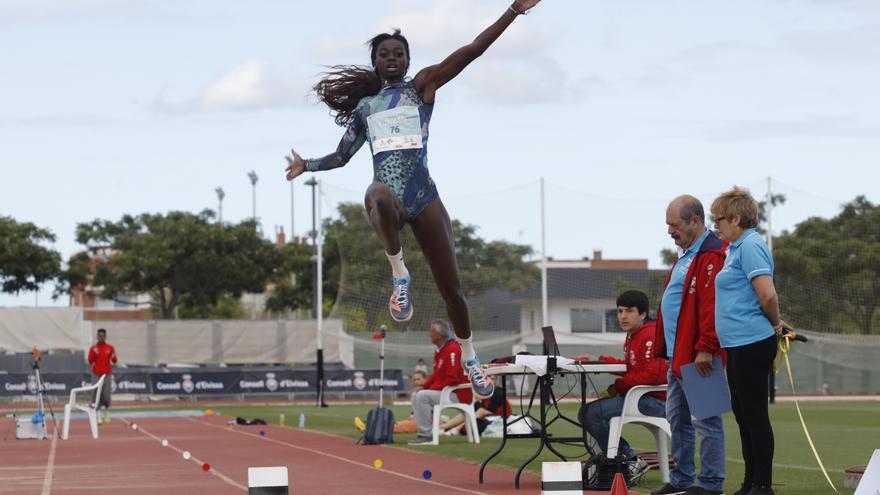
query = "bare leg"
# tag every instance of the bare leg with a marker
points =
(433, 231)
(452, 423)
(386, 214)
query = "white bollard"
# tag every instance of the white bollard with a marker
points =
(870, 482)
(267, 481)
(561, 478)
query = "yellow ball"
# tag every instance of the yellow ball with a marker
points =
(377, 463)
(209, 412)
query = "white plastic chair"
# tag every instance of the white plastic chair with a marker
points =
(446, 402)
(90, 409)
(631, 414)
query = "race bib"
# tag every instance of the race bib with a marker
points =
(395, 129)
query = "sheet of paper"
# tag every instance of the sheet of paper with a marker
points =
(538, 364)
(707, 396)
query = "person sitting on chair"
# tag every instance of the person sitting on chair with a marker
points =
(447, 372)
(483, 409)
(642, 368)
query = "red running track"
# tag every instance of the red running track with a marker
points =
(133, 462)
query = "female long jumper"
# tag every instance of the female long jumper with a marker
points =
(380, 105)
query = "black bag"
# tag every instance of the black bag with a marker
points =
(380, 427)
(249, 422)
(599, 473)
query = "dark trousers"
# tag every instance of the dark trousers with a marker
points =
(748, 368)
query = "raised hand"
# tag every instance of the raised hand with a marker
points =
(295, 165)
(524, 5)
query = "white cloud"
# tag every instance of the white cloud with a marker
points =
(531, 80)
(816, 127)
(439, 28)
(858, 45)
(434, 30)
(514, 71)
(252, 85)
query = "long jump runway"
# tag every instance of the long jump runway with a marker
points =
(124, 460)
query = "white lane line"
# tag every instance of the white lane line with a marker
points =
(50, 467)
(792, 466)
(193, 458)
(343, 459)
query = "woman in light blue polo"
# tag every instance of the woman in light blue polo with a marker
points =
(747, 323)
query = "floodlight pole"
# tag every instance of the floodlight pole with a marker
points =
(545, 316)
(220, 196)
(292, 235)
(253, 177)
(768, 213)
(319, 292)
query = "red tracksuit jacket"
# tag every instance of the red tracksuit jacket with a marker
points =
(448, 371)
(642, 365)
(100, 357)
(696, 321)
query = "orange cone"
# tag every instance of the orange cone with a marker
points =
(618, 487)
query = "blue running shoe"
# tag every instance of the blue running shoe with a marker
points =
(399, 305)
(483, 387)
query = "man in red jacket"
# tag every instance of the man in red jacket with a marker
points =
(642, 368)
(447, 371)
(102, 357)
(686, 334)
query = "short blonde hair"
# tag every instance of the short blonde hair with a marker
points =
(735, 202)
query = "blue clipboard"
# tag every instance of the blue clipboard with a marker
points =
(707, 396)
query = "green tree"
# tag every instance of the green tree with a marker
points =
(178, 256)
(25, 263)
(668, 257)
(292, 282)
(227, 307)
(775, 200)
(828, 270)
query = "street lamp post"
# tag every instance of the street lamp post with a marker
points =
(253, 176)
(292, 231)
(317, 277)
(220, 196)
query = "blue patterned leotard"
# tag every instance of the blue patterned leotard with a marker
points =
(395, 122)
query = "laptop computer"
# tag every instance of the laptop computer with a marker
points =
(551, 348)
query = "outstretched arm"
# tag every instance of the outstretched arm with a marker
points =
(429, 79)
(350, 143)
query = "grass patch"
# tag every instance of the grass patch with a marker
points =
(845, 433)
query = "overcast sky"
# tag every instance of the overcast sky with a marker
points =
(110, 107)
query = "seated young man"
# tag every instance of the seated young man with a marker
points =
(642, 368)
